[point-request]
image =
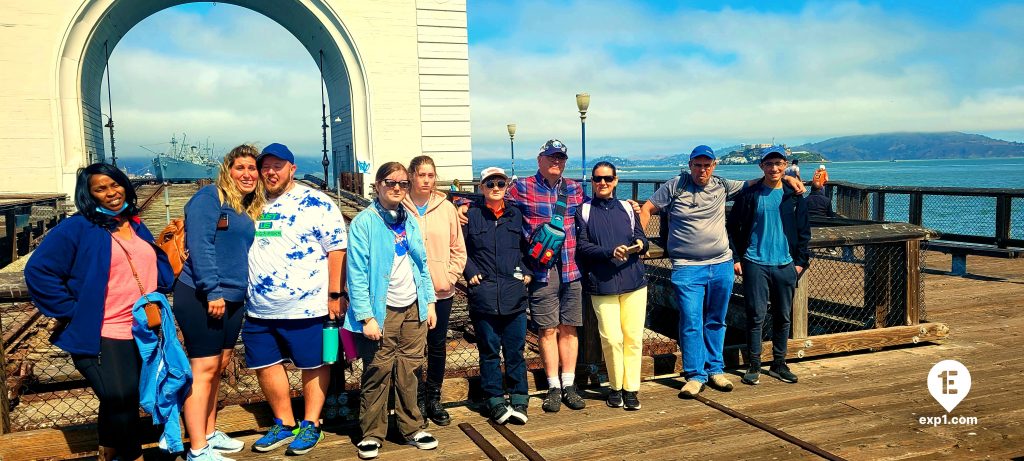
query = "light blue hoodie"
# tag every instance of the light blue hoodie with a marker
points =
(371, 252)
(166, 374)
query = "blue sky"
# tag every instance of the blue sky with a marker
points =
(663, 76)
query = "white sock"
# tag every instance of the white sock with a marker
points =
(553, 382)
(210, 435)
(567, 379)
(195, 452)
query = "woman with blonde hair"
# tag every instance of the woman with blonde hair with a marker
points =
(210, 293)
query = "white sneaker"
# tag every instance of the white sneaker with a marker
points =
(423, 440)
(220, 442)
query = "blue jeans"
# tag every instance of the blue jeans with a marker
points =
(497, 336)
(704, 293)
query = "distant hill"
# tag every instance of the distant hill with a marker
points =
(914, 146)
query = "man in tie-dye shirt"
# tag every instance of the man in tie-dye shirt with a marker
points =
(296, 277)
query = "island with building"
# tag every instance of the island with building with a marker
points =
(751, 154)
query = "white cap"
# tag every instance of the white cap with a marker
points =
(821, 167)
(492, 171)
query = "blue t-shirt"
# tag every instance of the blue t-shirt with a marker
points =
(768, 244)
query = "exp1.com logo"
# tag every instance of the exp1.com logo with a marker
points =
(949, 382)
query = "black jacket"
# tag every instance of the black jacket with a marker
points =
(596, 239)
(795, 223)
(819, 205)
(495, 249)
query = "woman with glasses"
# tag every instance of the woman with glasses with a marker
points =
(609, 241)
(391, 308)
(446, 257)
(498, 277)
(88, 273)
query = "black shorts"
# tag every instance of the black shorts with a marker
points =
(205, 336)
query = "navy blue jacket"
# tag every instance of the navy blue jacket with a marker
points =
(218, 259)
(596, 239)
(796, 223)
(67, 278)
(496, 249)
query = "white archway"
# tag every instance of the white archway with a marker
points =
(314, 23)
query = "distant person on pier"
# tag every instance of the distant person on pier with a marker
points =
(770, 231)
(702, 269)
(819, 205)
(392, 309)
(794, 169)
(87, 274)
(446, 257)
(498, 277)
(609, 242)
(296, 277)
(209, 298)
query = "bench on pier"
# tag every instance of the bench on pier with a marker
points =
(960, 250)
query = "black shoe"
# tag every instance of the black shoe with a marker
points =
(630, 400)
(500, 413)
(572, 399)
(519, 414)
(752, 376)
(553, 401)
(615, 399)
(436, 412)
(782, 373)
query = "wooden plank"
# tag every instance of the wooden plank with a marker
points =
(433, 129)
(431, 50)
(443, 66)
(444, 113)
(442, 34)
(5, 404)
(860, 340)
(441, 18)
(447, 5)
(798, 326)
(913, 283)
(444, 82)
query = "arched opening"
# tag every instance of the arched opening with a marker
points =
(101, 24)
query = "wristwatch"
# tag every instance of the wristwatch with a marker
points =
(338, 295)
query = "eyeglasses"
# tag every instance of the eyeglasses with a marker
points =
(391, 183)
(499, 184)
(607, 179)
(557, 158)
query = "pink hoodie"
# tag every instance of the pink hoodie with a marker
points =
(442, 235)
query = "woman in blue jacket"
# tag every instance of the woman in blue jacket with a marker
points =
(87, 274)
(391, 307)
(210, 294)
(609, 241)
(498, 277)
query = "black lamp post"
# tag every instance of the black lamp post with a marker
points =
(512, 145)
(323, 120)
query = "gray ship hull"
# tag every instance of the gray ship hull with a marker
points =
(174, 170)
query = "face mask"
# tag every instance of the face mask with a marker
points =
(112, 213)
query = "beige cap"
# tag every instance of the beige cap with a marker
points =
(492, 171)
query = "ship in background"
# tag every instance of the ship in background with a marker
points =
(184, 163)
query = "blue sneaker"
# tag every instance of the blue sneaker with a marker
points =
(307, 438)
(278, 435)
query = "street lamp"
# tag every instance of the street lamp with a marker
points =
(113, 149)
(323, 120)
(512, 145)
(583, 102)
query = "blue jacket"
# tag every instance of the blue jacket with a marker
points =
(795, 223)
(496, 249)
(67, 278)
(166, 375)
(371, 252)
(596, 239)
(218, 259)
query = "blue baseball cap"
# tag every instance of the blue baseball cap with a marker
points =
(777, 151)
(553, 147)
(702, 151)
(277, 150)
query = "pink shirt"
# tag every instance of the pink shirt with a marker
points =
(122, 289)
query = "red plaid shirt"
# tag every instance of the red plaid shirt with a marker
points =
(536, 200)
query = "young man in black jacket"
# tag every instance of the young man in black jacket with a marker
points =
(769, 230)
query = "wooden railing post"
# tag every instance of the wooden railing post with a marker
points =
(635, 190)
(878, 207)
(5, 404)
(799, 320)
(916, 208)
(913, 276)
(1003, 203)
(863, 209)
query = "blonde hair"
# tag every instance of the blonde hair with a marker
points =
(250, 204)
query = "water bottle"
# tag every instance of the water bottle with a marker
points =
(330, 342)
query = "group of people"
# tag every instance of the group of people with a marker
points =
(272, 261)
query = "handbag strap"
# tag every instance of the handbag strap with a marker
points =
(560, 207)
(142, 289)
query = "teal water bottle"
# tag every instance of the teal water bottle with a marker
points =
(330, 342)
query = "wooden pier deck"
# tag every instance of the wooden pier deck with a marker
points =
(856, 406)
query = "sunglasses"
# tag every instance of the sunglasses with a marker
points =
(391, 183)
(607, 179)
(499, 184)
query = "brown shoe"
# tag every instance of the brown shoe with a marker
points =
(720, 382)
(691, 389)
